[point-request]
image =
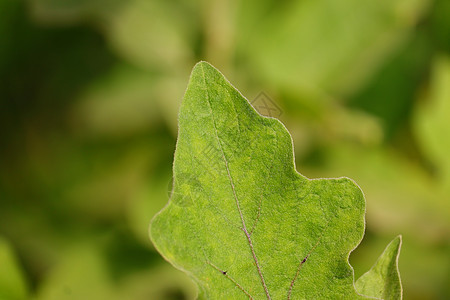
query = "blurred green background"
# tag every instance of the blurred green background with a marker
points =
(89, 96)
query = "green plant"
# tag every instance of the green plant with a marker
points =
(243, 223)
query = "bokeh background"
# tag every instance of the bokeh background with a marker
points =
(89, 96)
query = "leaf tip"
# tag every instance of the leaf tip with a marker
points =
(397, 242)
(201, 65)
(383, 279)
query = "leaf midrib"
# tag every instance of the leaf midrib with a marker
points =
(244, 227)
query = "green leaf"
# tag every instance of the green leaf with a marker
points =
(241, 221)
(432, 122)
(12, 282)
(81, 273)
(317, 46)
(150, 34)
(383, 279)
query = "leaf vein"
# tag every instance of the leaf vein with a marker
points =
(244, 228)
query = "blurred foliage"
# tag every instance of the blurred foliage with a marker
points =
(12, 283)
(89, 96)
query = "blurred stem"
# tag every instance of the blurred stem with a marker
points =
(219, 28)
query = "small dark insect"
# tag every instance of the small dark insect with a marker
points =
(304, 260)
(224, 272)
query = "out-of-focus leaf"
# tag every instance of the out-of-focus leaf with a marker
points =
(103, 194)
(382, 281)
(432, 120)
(323, 45)
(12, 282)
(153, 34)
(391, 92)
(440, 24)
(9, 12)
(338, 124)
(159, 283)
(72, 11)
(80, 274)
(84, 273)
(119, 104)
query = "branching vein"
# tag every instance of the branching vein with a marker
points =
(301, 264)
(230, 278)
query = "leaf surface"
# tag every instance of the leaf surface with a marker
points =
(382, 281)
(241, 221)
